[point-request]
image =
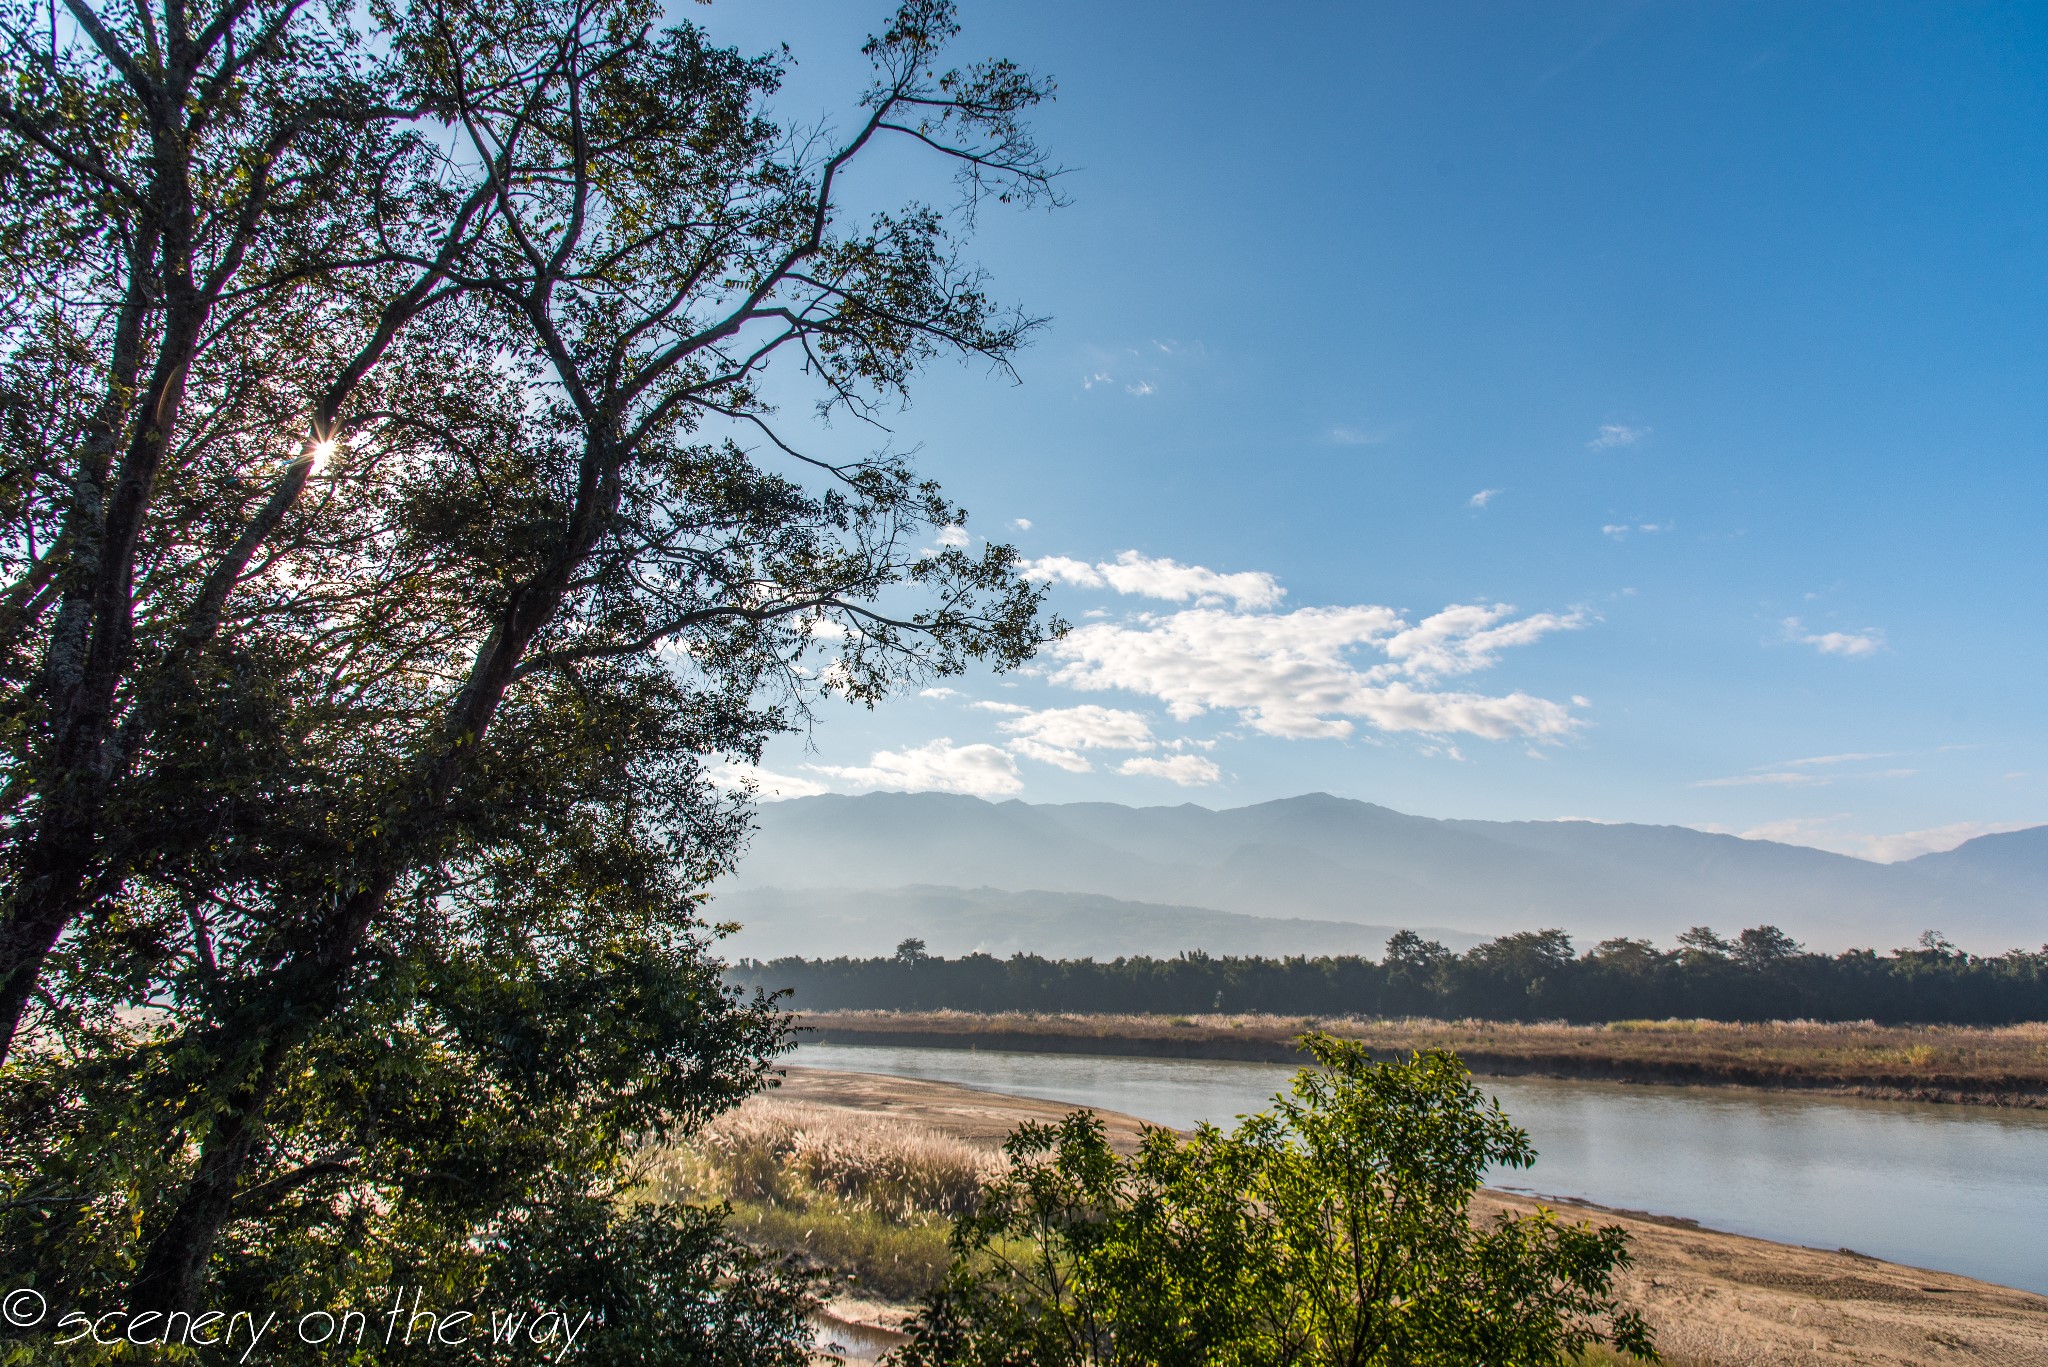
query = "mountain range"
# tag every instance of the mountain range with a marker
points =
(1321, 874)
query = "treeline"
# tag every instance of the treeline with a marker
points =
(1537, 975)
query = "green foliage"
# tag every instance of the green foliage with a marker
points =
(1333, 1229)
(468, 1131)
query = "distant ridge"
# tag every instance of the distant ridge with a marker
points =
(2016, 861)
(1326, 859)
(823, 923)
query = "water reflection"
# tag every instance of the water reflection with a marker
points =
(1959, 1188)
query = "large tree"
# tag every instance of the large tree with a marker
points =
(373, 938)
(220, 209)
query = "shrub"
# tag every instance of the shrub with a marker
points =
(1333, 1229)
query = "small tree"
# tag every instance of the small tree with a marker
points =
(1333, 1229)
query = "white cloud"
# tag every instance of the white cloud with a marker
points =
(1063, 569)
(1801, 773)
(1847, 643)
(765, 784)
(1099, 377)
(1850, 644)
(1780, 778)
(1816, 832)
(1825, 833)
(1052, 754)
(1189, 771)
(955, 535)
(939, 765)
(989, 706)
(941, 692)
(1140, 389)
(1615, 434)
(1056, 735)
(1889, 849)
(1617, 530)
(1292, 674)
(1465, 638)
(1022, 524)
(1483, 497)
(1135, 573)
(1359, 436)
(1087, 727)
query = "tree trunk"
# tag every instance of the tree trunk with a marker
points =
(173, 1273)
(91, 650)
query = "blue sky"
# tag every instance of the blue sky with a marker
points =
(1692, 356)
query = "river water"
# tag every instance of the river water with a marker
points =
(1958, 1188)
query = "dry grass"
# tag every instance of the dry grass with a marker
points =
(1998, 1065)
(868, 1198)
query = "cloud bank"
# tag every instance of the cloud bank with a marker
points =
(939, 765)
(1164, 579)
(1298, 674)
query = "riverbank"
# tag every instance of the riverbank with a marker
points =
(1985, 1066)
(1714, 1298)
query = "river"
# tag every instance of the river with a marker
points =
(1957, 1188)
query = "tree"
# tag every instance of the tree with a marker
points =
(1525, 955)
(1761, 946)
(1629, 956)
(1408, 953)
(180, 176)
(1334, 1228)
(383, 947)
(1701, 943)
(1936, 944)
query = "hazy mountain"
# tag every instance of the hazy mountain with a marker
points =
(822, 923)
(2015, 863)
(1327, 859)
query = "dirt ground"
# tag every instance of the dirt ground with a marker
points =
(1713, 1298)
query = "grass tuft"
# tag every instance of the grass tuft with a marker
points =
(869, 1199)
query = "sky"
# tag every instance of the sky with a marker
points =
(1583, 409)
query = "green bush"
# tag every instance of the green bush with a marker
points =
(1332, 1229)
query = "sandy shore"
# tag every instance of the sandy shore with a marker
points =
(1713, 1298)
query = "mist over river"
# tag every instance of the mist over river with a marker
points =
(1962, 1189)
